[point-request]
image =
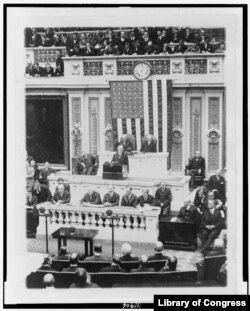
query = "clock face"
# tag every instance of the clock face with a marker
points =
(142, 71)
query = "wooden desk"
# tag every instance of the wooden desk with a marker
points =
(177, 235)
(87, 235)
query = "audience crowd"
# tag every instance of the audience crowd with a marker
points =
(137, 41)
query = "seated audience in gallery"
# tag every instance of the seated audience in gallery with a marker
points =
(80, 280)
(37, 71)
(180, 48)
(91, 197)
(126, 143)
(129, 199)
(158, 255)
(57, 40)
(115, 265)
(148, 145)
(73, 45)
(45, 172)
(145, 198)
(98, 256)
(111, 198)
(48, 71)
(63, 254)
(46, 265)
(49, 281)
(60, 181)
(73, 261)
(187, 35)
(35, 39)
(196, 167)
(127, 253)
(120, 157)
(211, 224)
(217, 184)
(42, 192)
(192, 49)
(189, 213)
(163, 198)
(58, 71)
(61, 196)
(143, 267)
(166, 49)
(31, 200)
(88, 164)
(171, 264)
(59, 61)
(221, 48)
(29, 68)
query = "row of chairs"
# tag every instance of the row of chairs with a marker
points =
(96, 266)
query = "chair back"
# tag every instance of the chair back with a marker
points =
(129, 265)
(94, 266)
(212, 266)
(157, 264)
(59, 265)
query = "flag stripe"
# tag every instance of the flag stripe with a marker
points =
(133, 128)
(142, 127)
(150, 109)
(159, 94)
(164, 116)
(124, 126)
(169, 116)
(119, 129)
(155, 113)
(146, 114)
(115, 133)
(129, 130)
(138, 133)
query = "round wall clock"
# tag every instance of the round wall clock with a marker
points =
(142, 70)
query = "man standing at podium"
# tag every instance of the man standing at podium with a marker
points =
(120, 157)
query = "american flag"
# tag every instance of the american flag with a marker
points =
(140, 108)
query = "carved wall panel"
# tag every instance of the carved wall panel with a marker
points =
(93, 125)
(195, 124)
(92, 69)
(213, 135)
(159, 67)
(177, 145)
(76, 124)
(196, 66)
(108, 123)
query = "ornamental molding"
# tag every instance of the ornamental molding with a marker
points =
(177, 135)
(75, 69)
(213, 135)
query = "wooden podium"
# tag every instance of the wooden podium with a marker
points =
(115, 172)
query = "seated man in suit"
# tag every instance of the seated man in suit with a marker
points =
(63, 254)
(115, 265)
(60, 181)
(217, 184)
(143, 265)
(149, 145)
(88, 163)
(196, 167)
(49, 281)
(97, 254)
(73, 263)
(211, 223)
(163, 198)
(171, 264)
(126, 143)
(111, 198)
(127, 253)
(129, 199)
(120, 157)
(44, 173)
(158, 252)
(81, 280)
(31, 200)
(61, 196)
(145, 198)
(200, 200)
(46, 264)
(188, 213)
(42, 192)
(91, 197)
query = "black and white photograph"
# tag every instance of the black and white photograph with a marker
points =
(124, 153)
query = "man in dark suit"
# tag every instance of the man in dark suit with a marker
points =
(188, 213)
(44, 173)
(145, 198)
(211, 223)
(59, 61)
(129, 199)
(91, 197)
(158, 252)
(121, 41)
(120, 157)
(196, 167)
(143, 265)
(163, 198)
(63, 254)
(61, 196)
(42, 192)
(36, 39)
(115, 265)
(88, 51)
(81, 280)
(73, 263)
(73, 45)
(60, 181)
(97, 254)
(200, 200)
(126, 143)
(88, 163)
(171, 264)
(127, 253)
(217, 184)
(37, 71)
(111, 198)
(149, 145)
(46, 264)
(31, 200)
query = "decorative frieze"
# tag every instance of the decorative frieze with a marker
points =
(196, 66)
(159, 67)
(47, 55)
(92, 69)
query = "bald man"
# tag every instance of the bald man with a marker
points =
(158, 252)
(61, 196)
(149, 145)
(91, 197)
(111, 198)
